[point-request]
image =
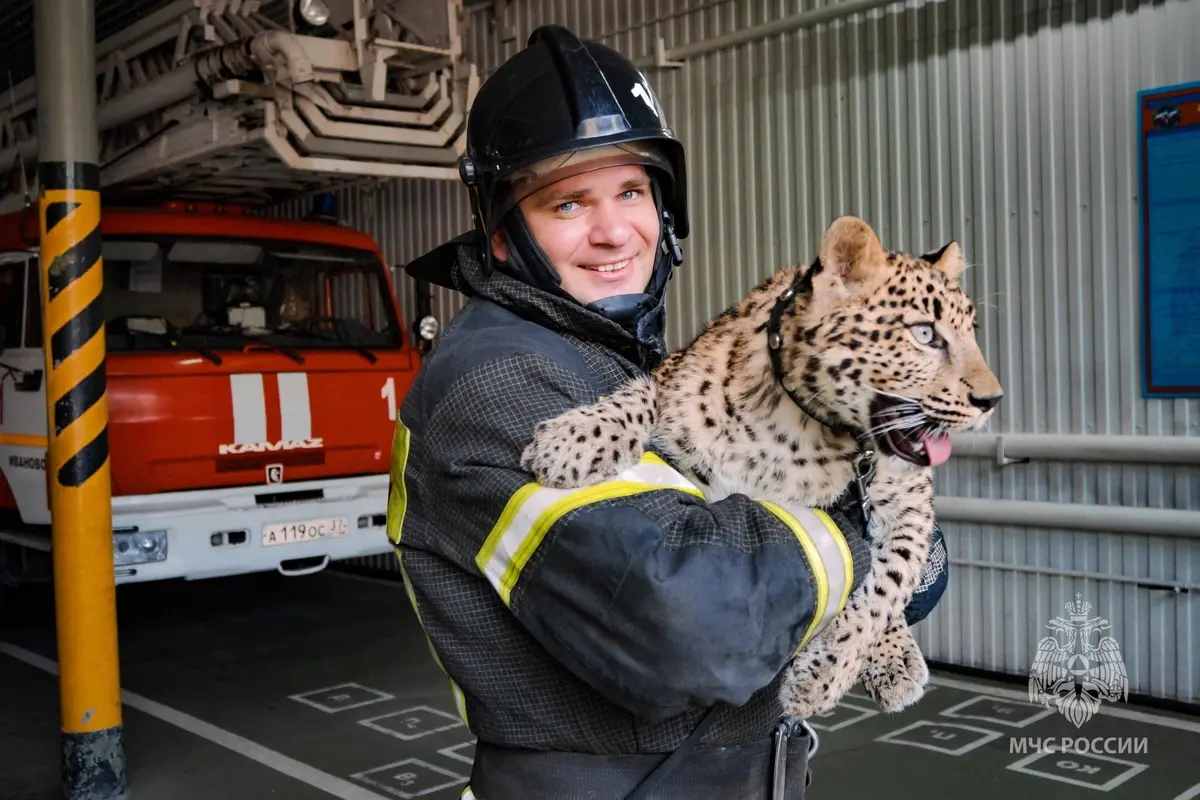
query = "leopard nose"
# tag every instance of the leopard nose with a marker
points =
(986, 403)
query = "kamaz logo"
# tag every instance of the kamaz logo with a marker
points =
(271, 447)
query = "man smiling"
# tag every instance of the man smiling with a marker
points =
(599, 228)
(589, 634)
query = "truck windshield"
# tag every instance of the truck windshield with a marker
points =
(215, 294)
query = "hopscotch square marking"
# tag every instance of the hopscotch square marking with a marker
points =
(836, 718)
(1002, 712)
(931, 732)
(343, 697)
(452, 752)
(409, 778)
(413, 723)
(929, 687)
(1071, 767)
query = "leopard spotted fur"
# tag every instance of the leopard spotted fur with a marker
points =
(870, 325)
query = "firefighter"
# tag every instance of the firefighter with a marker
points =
(588, 635)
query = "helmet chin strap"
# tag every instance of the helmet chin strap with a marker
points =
(526, 261)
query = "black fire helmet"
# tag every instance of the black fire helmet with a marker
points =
(561, 96)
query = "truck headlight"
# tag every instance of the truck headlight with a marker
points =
(139, 547)
(428, 328)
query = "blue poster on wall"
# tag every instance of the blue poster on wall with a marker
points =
(1169, 138)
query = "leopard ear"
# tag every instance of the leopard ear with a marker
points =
(949, 260)
(851, 255)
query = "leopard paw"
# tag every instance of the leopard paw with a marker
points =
(815, 683)
(580, 448)
(895, 674)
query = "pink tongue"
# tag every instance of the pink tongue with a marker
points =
(937, 448)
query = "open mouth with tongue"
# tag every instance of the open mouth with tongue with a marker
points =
(904, 431)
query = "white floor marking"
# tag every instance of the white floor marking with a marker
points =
(1066, 761)
(1190, 793)
(402, 781)
(452, 752)
(256, 752)
(956, 712)
(304, 697)
(939, 730)
(862, 713)
(1107, 708)
(414, 730)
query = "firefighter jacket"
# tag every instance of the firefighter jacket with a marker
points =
(602, 620)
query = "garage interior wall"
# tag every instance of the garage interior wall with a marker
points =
(1008, 126)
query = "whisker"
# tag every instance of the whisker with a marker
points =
(987, 301)
(903, 423)
(811, 398)
(906, 401)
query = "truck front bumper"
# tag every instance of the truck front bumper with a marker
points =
(294, 528)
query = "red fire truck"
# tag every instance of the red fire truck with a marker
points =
(254, 371)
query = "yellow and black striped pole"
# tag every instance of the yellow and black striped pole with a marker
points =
(93, 753)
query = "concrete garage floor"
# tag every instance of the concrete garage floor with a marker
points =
(320, 687)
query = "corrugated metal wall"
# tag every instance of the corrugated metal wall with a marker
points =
(1006, 125)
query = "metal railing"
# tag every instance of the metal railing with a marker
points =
(1009, 448)
(1017, 448)
(1068, 516)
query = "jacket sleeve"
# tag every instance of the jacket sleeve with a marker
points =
(659, 600)
(935, 577)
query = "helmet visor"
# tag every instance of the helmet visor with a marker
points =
(529, 180)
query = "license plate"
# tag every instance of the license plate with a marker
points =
(309, 530)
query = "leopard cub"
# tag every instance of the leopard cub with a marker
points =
(865, 353)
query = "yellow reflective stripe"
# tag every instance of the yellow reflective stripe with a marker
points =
(828, 556)
(467, 794)
(397, 501)
(460, 699)
(396, 506)
(534, 509)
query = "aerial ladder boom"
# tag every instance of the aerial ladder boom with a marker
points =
(219, 100)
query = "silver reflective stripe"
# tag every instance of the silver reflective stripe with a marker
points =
(835, 558)
(656, 471)
(826, 551)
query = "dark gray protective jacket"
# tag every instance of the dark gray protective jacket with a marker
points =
(603, 620)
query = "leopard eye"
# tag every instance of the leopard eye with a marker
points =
(924, 334)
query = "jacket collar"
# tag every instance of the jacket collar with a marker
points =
(457, 264)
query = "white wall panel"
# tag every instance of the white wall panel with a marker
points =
(1006, 125)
